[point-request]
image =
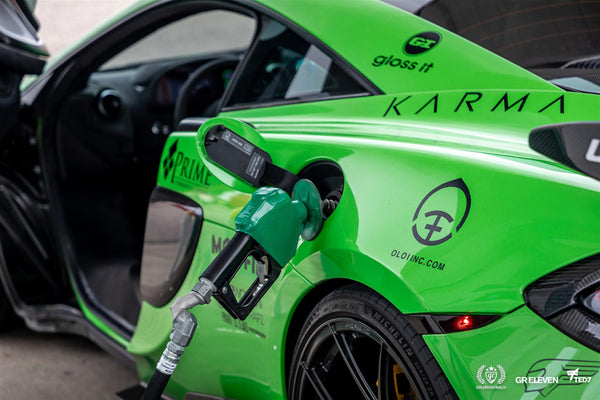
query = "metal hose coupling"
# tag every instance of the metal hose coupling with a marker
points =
(184, 326)
(200, 294)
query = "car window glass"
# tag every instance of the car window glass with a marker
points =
(209, 32)
(285, 67)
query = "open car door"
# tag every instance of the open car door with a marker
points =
(21, 53)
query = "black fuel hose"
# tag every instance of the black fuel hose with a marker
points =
(156, 386)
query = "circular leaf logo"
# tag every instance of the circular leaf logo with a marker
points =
(441, 213)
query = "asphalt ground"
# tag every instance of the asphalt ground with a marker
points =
(58, 367)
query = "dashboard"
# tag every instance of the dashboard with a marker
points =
(148, 92)
(210, 87)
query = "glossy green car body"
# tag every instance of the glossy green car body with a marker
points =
(393, 150)
(454, 115)
(521, 226)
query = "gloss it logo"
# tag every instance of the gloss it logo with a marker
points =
(421, 43)
(442, 213)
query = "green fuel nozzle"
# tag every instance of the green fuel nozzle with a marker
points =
(276, 221)
(268, 228)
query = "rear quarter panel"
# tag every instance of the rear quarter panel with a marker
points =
(527, 217)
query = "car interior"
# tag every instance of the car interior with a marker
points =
(109, 137)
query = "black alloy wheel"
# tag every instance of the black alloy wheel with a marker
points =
(356, 345)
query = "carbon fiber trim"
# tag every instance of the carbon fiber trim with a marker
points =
(559, 299)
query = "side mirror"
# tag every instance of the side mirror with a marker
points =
(237, 155)
(22, 51)
(574, 144)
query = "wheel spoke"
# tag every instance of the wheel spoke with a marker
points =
(346, 353)
(380, 373)
(313, 377)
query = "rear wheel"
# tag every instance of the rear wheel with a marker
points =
(357, 345)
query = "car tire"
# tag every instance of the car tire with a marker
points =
(357, 345)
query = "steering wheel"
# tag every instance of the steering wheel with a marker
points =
(183, 99)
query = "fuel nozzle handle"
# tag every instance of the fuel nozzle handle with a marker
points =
(226, 265)
(230, 259)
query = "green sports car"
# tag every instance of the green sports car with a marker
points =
(453, 248)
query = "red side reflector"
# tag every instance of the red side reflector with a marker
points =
(460, 323)
(463, 323)
(427, 324)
